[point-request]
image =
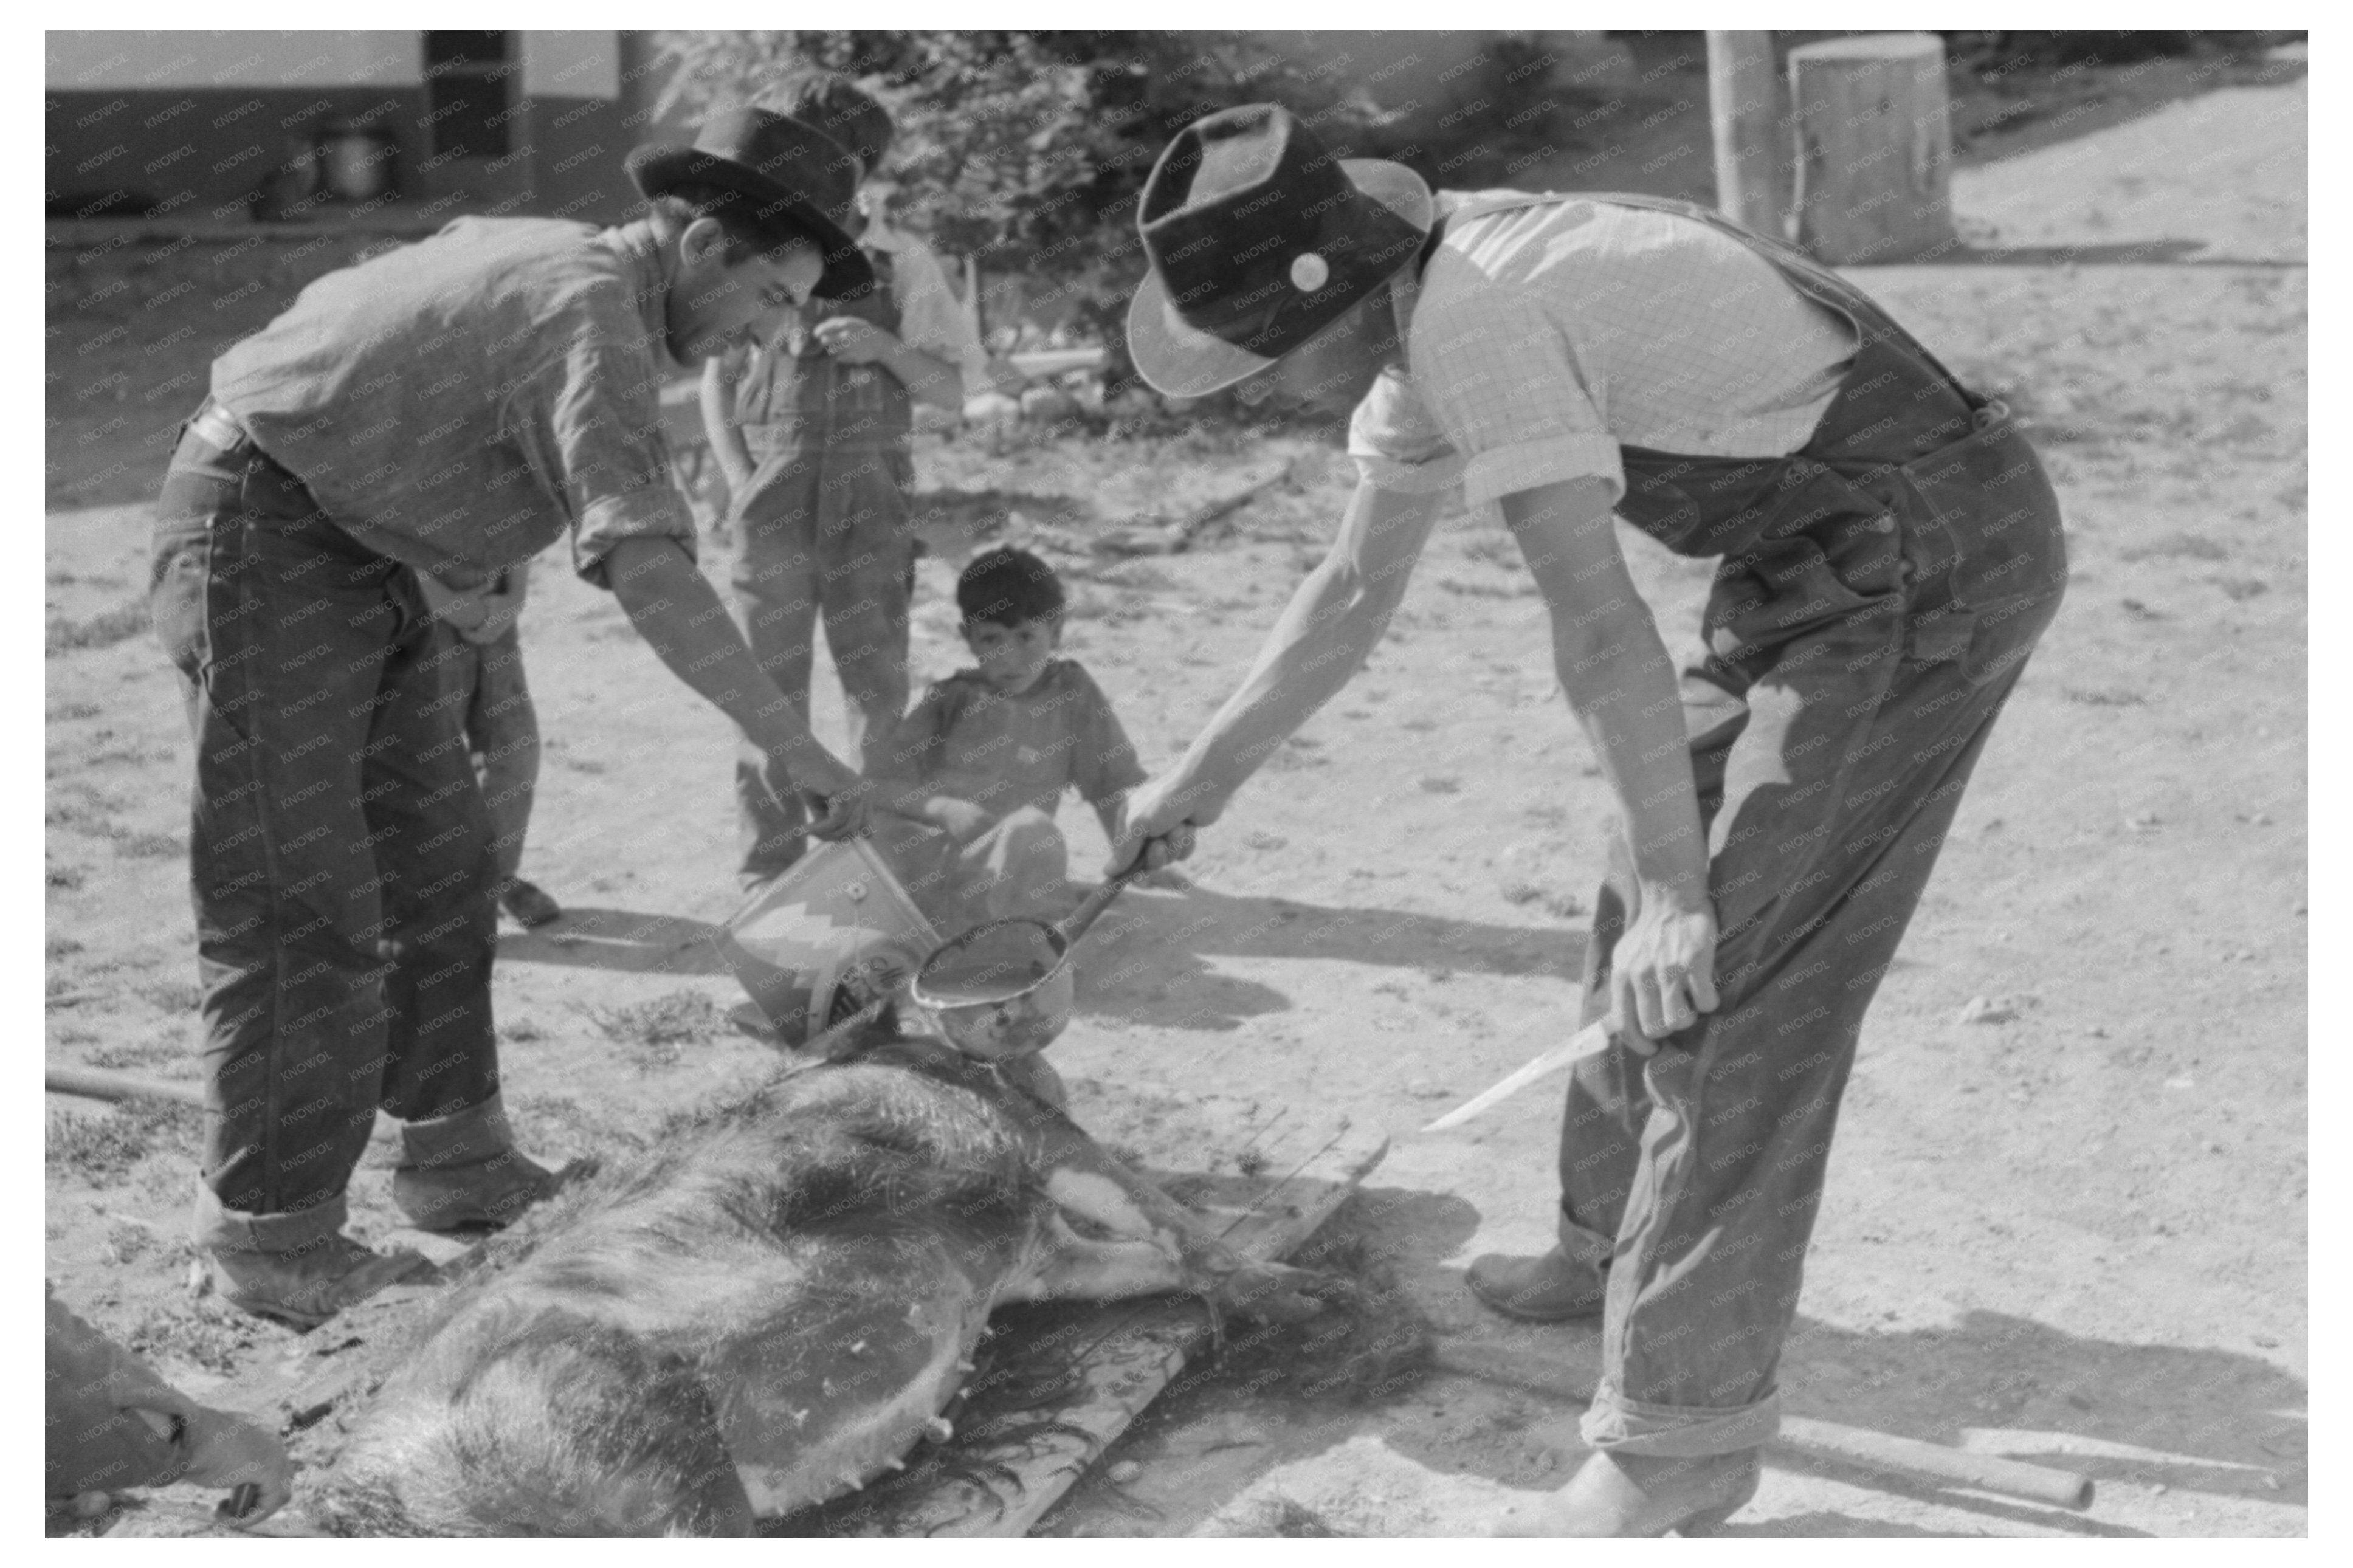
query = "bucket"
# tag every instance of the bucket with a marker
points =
(832, 935)
(357, 162)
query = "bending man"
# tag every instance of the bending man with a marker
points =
(1891, 552)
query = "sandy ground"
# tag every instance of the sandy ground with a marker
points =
(2076, 1233)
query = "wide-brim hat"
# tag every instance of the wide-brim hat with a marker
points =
(774, 176)
(1258, 239)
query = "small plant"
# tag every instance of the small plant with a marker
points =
(173, 996)
(658, 1028)
(101, 1149)
(150, 846)
(103, 629)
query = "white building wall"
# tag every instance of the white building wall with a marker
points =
(571, 64)
(119, 61)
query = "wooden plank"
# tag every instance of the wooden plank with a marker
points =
(1014, 1458)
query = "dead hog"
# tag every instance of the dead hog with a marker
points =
(767, 1315)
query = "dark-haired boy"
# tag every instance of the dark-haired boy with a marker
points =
(977, 770)
(813, 428)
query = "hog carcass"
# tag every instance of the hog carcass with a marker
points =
(769, 1314)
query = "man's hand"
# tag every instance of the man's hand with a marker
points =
(1661, 973)
(853, 340)
(1157, 824)
(228, 1451)
(500, 608)
(466, 609)
(960, 819)
(838, 800)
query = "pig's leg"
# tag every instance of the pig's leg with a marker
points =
(1070, 1266)
(1081, 1178)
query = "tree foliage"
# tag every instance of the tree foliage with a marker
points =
(1027, 149)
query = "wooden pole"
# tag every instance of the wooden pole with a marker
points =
(1752, 139)
(97, 1083)
(1856, 1445)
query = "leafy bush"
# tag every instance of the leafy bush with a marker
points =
(1028, 150)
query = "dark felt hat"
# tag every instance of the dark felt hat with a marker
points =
(1259, 238)
(781, 179)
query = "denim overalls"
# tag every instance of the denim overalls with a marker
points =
(1879, 592)
(823, 527)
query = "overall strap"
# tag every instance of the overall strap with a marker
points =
(1807, 276)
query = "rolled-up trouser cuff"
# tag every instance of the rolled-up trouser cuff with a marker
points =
(216, 1227)
(1589, 1247)
(1677, 1431)
(465, 1137)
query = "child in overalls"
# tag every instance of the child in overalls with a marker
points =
(814, 431)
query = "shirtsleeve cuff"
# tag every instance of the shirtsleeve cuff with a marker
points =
(656, 512)
(1528, 465)
(1435, 476)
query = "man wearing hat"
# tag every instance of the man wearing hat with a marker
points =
(1890, 553)
(368, 468)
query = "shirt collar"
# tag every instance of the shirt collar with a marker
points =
(641, 259)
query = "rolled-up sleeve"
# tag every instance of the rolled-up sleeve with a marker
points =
(1500, 379)
(1397, 446)
(590, 425)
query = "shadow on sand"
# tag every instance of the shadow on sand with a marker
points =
(1147, 961)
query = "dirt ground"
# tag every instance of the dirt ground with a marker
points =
(2072, 1230)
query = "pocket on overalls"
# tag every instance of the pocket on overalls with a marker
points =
(1823, 561)
(1988, 553)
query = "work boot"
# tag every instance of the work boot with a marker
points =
(1615, 1494)
(1552, 1289)
(463, 1169)
(305, 1287)
(527, 905)
(486, 1194)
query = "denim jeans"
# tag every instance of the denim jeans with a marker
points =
(337, 851)
(823, 531)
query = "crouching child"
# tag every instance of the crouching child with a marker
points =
(972, 780)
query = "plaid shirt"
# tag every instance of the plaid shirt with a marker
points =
(460, 402)
(1548, 331)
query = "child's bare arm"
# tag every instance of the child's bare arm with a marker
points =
(726, 440)
(1111, 812)
(931, 379)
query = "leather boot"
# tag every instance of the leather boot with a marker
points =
(1615, 1494)
(1553, 1289)
(303, 1288)
(463, 1171)
(528, 905)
